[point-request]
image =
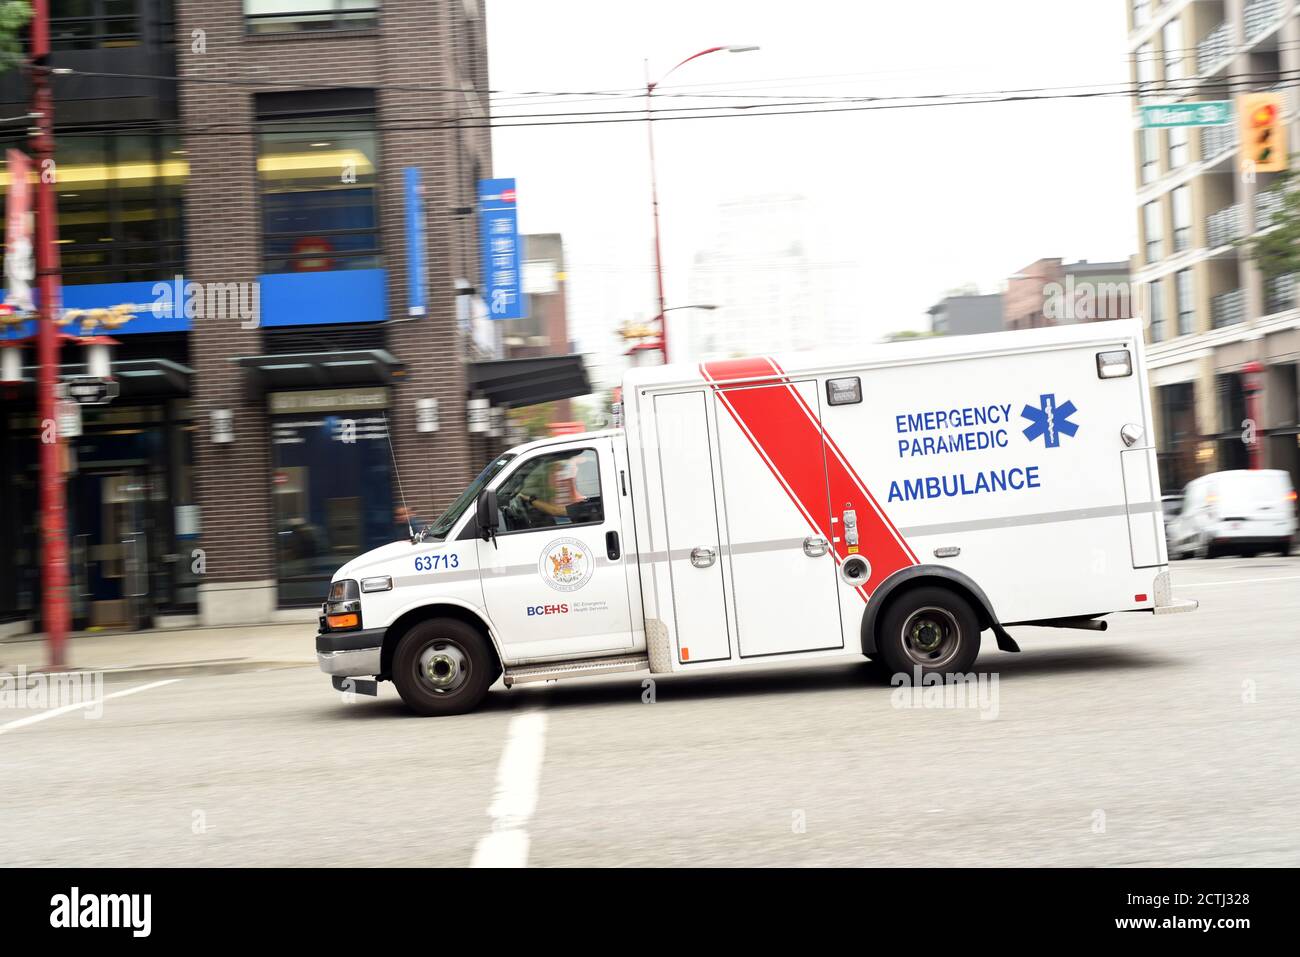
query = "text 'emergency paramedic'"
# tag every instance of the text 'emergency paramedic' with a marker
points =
(974, 421)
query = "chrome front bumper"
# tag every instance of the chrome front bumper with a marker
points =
(361, 661)
(350, 654)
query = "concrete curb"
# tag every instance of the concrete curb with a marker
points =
(178, 669)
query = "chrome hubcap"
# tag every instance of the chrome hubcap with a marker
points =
(443, 666)
(931, 637)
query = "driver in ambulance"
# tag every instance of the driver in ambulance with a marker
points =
(569, 503)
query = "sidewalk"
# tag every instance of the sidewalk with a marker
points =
(172, 651)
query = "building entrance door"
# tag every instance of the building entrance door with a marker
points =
(110, 549)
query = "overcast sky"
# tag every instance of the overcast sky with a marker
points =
(917, 200)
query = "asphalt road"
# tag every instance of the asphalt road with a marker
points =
(1164, 741)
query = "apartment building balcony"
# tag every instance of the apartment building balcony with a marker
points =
(1215, 49)
(1223, 227)
(1268, 202)
(1279, 294)
(1227, 308)
(1216, 140)
(1261, 16)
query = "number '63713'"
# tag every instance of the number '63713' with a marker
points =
(432, 563)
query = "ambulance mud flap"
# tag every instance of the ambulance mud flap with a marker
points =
(659, 646)
(911, 574)
(355, 685)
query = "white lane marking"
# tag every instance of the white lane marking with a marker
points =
(1243, 581)
(64, 709)
(515, 798)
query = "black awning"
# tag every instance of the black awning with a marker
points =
(152, 377)
(136, 378)
(510, 383)
(311, 370)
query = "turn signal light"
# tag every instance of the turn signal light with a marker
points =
(1290, 496)
(350, 620)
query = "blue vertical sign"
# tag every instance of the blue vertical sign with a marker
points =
(414, 200)
(499, 221)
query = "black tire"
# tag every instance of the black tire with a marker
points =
(443, 666)
(925, 616)
(877, 671)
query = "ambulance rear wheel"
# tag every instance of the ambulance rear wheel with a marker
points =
(443, 666)
(930, 628)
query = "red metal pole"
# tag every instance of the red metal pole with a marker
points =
(654, 199)
(54, 588)
(1253, 372)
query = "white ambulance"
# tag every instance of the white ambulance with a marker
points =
(892, 505)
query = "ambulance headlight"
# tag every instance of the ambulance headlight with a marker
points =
(343, 590)
(1114, 365)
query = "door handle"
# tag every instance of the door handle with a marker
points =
(703, 557)
(611, 546)
(815, 547)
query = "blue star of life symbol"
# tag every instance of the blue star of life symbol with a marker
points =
(1050, 420)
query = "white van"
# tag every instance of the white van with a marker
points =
(894, 505)
(1243, 511)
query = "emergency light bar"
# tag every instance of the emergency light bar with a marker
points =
(845, 391)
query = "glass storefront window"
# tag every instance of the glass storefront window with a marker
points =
(331, 483)
(129, 551)
(120, 207)
(292, 16)
(94, 24)
(319, 193)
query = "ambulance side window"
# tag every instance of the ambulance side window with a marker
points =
(551, 491)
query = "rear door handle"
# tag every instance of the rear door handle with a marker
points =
(702, 557)
(815, 546)
(611, 546)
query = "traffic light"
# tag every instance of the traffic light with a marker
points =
(1263, 131)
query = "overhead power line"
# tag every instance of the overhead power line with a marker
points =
(446, 119)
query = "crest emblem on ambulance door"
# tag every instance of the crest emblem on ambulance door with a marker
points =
(566, 564)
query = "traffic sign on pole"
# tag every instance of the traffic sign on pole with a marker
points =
(91, 390)
(1207, 113)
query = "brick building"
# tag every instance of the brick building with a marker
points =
(1213, 314)
(1050, 292)
(291, 163)
(966, 315)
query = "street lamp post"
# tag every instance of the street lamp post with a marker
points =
(650, 86)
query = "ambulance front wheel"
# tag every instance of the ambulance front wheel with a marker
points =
(443, 666)
(930, 628)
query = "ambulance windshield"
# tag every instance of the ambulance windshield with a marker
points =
(447, 519)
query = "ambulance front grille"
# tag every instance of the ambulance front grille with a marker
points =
(574, 669)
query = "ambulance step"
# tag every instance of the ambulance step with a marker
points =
(574, 669)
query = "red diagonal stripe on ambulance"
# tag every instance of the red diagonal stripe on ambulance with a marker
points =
(782, 428)
(861, 486)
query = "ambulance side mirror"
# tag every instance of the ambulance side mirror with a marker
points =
(487, 515)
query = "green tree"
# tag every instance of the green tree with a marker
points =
(596, 413)
(14, 15)
(534, 419)
(1277, 252)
